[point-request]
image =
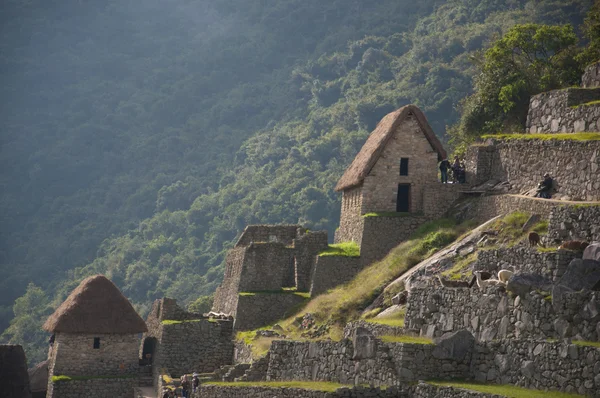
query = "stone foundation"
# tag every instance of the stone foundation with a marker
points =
(208, 391)
(260, 309)
(97, 388)
(332, 271)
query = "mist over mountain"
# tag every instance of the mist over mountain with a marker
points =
(137, 139)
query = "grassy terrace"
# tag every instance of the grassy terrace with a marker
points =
(547, 137)
(344, 249)
(305, 385)
(505, 390)
(59, 378)
(285, 290)
(406, 339)
(587, 343)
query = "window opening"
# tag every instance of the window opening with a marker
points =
(96, 343)
(404, 166)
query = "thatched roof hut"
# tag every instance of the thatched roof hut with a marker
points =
(96, 306)
(14, 380)
(372, 149)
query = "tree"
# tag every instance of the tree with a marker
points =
(527, 60)
(591, 31)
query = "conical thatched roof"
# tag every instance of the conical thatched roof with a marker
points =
(372, 149)
(96, 306)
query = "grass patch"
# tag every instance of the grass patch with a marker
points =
(59, 378)
(395, 322)
(406, 339)
(587, 343)
(344, 249)
(505, 390)
(460, 268)
(547, 137)
(541, 227)
(175, 322)
(392, 214)
(305, 295)
(591, 103)
(305, 385)
(346, 303)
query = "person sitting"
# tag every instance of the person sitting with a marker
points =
(544, 189)
(444, 165)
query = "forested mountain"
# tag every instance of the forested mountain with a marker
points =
(139, 138)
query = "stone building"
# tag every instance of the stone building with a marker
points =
(396, 171)
(95, 333)
(14, 379)
(265, 272)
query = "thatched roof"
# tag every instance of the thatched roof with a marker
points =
(372, 149)
(96, 306)
(38, 377)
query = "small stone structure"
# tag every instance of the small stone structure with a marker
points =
(265, 260)
(95, 335)
(572, 110)
(181, 342)
(591, 76)
(14, 379)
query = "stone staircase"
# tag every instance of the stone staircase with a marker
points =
(145, 376)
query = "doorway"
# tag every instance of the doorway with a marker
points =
(403, 199)
(148, 350)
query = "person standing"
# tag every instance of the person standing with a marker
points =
(195, 382)
(444, 165)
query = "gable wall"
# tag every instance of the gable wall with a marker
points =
(380, 187)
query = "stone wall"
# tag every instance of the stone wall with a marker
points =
(539, 365)
(591, 76)
(382, 234)
(423, 390)
(74, 355)
(380, 364)
(332, 271)
(439, 198)
(260, 309)
(226, 295)
(564, 111)
(351, 221)
(97, 388)
(480, 162)
(306, 249)
(551, 265)
(208, 391)
(488, 207)
(377, 329)
(242, 352)
(189, 343)
(269, 233)
(575, 223)
(380, 186)
(267, 266)
(492, 314)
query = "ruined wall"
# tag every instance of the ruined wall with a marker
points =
(551, 265)
(331, 271)
(74, 355)
(480, 162)
(380, 186)
(227, 293)
(306, 249)
(539, 365)
(492, 314)
(260, 309)
(97, 388)
(14, 379)
(189, 342)
(269, 233)
(564, 111)
(383, 364)
(575, 223)
(351, 221)
(267, 266)
(382, 234)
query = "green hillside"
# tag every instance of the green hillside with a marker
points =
(138, 139)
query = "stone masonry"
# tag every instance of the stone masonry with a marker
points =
(591, 76)
(571, 110)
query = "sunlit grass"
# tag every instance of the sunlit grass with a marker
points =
(395, 322)
(344, 249)
(587, 343)
(406, 339)
(505, 390)
(586, 136)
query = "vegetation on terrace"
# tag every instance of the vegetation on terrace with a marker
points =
(406, 339)
(285, 290)
(586, 136)
(60, 378)
(392, 214)
(508, 391)
(344, 249)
